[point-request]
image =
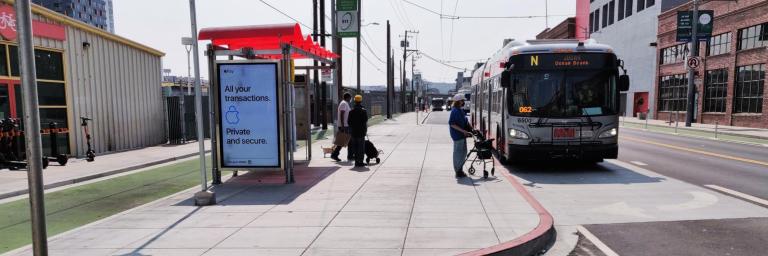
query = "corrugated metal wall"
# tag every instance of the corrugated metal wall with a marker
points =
(118, 86)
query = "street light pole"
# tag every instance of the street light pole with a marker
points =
(204, 197)
(32, 129)
(359, 34)
(389, 74)
(189, 70)
(691, 104)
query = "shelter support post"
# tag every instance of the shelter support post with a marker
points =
(288, 114)
(213, 100)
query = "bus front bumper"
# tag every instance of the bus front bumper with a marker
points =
(553, 151)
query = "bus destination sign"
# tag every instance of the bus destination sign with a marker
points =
(563, 61)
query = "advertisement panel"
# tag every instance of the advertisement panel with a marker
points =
(249, 114)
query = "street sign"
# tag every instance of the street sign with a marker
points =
(327, 75)
(346, 15)
(703, 29)
(694, 62)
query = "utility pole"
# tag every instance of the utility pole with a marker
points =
(336, 49)
(405, 43)
(315, 75)
(403, 107)
(359, 34)
(32, 121)
(691, 71)
(323, 85)
(413, 88)
(389, 73)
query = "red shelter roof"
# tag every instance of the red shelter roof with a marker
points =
(265, 37)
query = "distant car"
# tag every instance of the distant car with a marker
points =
(438, 104)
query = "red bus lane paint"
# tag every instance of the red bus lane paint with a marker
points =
(532, 243)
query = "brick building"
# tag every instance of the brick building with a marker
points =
(564, 30)
(731, 80)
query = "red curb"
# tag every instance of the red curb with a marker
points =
(545, 227)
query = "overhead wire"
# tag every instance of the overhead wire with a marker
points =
(456, 17)
(440, 61)
(361, 54)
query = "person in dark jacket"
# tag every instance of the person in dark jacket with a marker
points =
(358, 127)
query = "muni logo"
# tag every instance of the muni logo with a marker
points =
(535, 60)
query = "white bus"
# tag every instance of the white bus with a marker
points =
(550, 99)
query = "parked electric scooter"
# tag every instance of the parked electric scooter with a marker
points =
(10, 150)
(54, 143)
(90, 155)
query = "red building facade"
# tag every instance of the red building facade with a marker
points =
(730, 82)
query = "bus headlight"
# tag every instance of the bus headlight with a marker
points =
(518, 134)
(609, 133)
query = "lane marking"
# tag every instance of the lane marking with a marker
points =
(757, 144)
(638, 163)
(738, 194)
(700, 199)
(735, 158)
(596, 241)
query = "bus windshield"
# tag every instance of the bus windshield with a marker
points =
(563, 93)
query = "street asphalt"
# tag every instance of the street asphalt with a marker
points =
(697, 168)
(652, 200)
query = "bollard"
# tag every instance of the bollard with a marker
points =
(646, 123)
(716, 126)
(677, 123)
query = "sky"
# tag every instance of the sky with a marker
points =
(461, 42)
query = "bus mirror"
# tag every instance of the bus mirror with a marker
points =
(505, 79)
(623, 83)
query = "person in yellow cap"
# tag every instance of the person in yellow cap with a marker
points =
(358, 127)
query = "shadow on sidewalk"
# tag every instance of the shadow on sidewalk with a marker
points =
(577, 173)
(268, 187)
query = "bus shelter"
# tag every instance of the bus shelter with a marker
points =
(255, 95)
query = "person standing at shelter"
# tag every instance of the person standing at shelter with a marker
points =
(460, 130)
(343, 124)
(358, 125)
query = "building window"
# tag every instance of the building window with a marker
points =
(621, 10)
(597, 19)
(673, 54)
(715, 90)
(650, 3)
(719, 44)
(628, 9)
(673, 92)
(611, 12)
(605, 15)
(591, 22)
(750, 82)
(753, 37)
(640, 5)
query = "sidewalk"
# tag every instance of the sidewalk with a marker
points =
(14, 183)
(410, 204)
(746, 132)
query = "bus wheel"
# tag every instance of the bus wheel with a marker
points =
(500, 148)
